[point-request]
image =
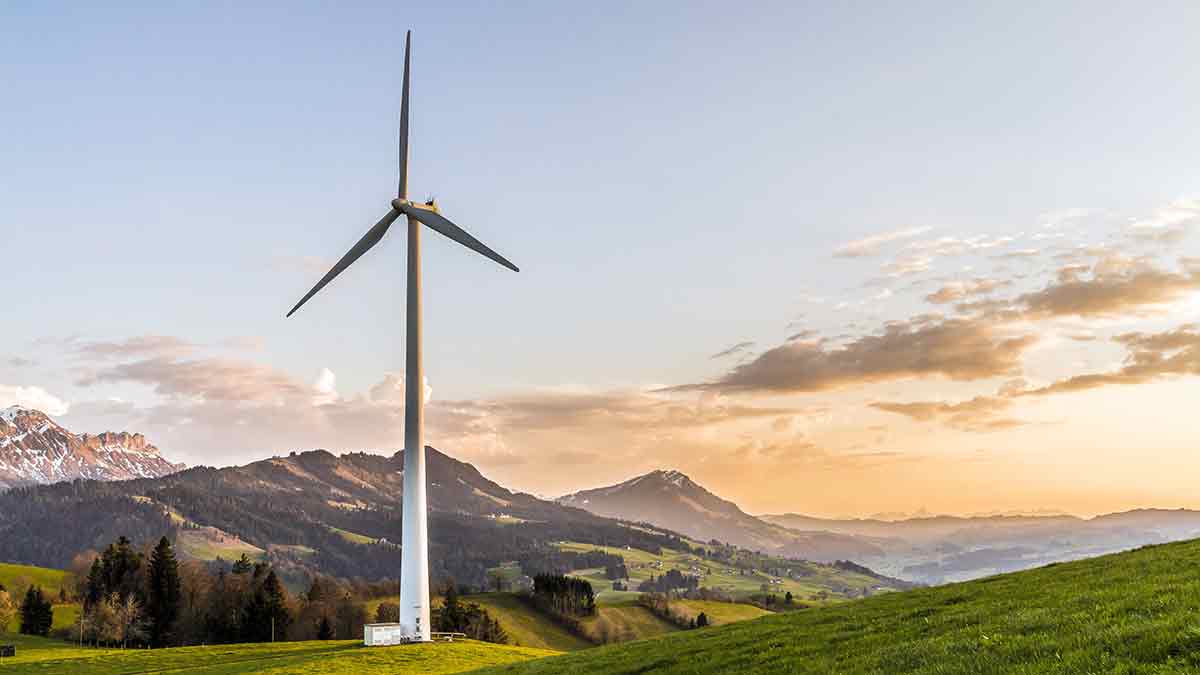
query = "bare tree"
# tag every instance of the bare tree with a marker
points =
(128, 613)
(7, 611)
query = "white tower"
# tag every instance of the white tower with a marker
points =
(414, 556)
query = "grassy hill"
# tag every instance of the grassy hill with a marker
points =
(526, 626)
(14, 576)
(51, 657)
(625, 621)
(822, 584)
(1129, 612)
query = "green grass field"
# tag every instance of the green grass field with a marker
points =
(204, 544)
(627, 621)
(526, 626)
(353, 537)
(715, 575)
(1135, 612)
(718, 613)
(13, 576)
(50, 657)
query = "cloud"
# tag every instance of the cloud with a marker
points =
(1115, 287)
(958, 290)
(977, 414)
(145, 345)
(246, 343)
(1019, 254)
(20, 362)
(32, 397)
(806, 334)
(325, 387)
(869, 246)
(209, 379)
(390, 390)
(908, 265)
(1149, 357)
(925, 346)
(734, 350)
(1169, 224)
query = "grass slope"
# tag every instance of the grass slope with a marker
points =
(814, 589)
(526, 626)
(13, 576)
(718, 613)
(628, 621)
(1130, 612)
(49, 657)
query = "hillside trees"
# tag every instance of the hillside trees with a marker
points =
(564, 595)
(387, 612)
(673, 580)
(456, 616)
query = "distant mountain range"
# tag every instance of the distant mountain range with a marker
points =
(672, 500)
(931, 549)
(34, 449)
(309, 512)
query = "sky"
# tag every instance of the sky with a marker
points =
(835, 260)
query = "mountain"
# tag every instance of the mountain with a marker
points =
(937, 549)
(672, 500)
(310, 512)
(36, 450)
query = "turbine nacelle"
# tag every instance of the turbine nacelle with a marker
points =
(401, 204)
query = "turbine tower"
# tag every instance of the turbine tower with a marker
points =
(414, 565)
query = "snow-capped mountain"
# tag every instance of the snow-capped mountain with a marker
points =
(672, 500)
(35, 449)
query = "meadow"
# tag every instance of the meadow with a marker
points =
(1134, 612)
(811, 590)
(52, 657)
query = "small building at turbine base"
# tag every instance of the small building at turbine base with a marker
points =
(381, 634)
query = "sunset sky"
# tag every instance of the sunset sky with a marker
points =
(819, 263)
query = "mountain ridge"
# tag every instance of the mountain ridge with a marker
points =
(34, 449)
(669, 498)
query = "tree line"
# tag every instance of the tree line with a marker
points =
(135, 598)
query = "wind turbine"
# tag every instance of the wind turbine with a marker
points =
(414, 560)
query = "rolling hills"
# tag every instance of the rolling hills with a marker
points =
(1126, 612)
(936, 549)
(306, 512)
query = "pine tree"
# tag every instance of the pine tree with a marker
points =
(37, 614)
(267, 617)
(94, 590)
(163, 599)
(243, 565)
(325, 631)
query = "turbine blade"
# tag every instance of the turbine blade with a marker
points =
(440, 224)
(369, 239)
(402, 190)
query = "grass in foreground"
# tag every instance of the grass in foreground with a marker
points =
(39, 655)
(1135, 612)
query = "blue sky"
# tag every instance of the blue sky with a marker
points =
(672, 179)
